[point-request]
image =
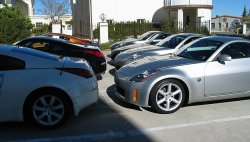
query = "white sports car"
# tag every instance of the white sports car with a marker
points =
(42, 88)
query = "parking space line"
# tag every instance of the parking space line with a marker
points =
(105, 91)
(132, 133)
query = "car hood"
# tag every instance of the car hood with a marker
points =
(155, 62)
(137, 45)
(128, 53)
(143, 49)
(146, 50)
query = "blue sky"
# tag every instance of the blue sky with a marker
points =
(221, 7)
(230, 7)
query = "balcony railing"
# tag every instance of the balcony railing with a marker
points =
(187, 2)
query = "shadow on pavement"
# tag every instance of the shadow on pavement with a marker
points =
(115, 99)
(98, 122)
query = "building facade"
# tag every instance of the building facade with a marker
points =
(185, 12)
(66, 22)
(25, 5)
(226, 23)
(88, 13)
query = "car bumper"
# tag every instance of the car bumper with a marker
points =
(131, 92)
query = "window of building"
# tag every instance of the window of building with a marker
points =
(213, 25)
(39, 24)
(69, 27)
(8, 1)
(219, 26)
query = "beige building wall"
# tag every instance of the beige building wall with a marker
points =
(38, 20)
(16, 3)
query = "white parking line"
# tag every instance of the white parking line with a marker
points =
(132, 133)
(105, 91)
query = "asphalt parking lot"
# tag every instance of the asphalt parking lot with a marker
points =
(113, 120)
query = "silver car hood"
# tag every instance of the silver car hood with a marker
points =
(130, 52)
(154, 62)
(143, 49)
(137, 45)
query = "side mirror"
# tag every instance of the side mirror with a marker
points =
(224, 57)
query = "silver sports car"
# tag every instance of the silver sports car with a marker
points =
(154, 39)
(210, 68)
(169, 45)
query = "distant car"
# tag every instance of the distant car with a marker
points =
(141, 39)
(169, 45)
(210, 68)
(72, 39)
(42, 88)
(59, 47)
(154, 39)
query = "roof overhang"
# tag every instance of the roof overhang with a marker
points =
(188, 7)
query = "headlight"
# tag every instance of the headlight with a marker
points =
(136, 56)
(145, 75)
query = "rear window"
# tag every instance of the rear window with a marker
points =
(10, 63)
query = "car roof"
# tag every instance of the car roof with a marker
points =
(46, 38)
(190, 34)
(225, 39)
(5, 49)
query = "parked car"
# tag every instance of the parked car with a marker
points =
(42, 88)
(72, 39)
(169, 45)
(59, 47)
(141, 39)
(151, 41)
(211, 68)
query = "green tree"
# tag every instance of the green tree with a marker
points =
(14, 25)
(244, 14)
(54, 8)
(41, 30)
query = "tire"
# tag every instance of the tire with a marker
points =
(48, 109)
(167, 96)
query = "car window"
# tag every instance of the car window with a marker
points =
(10, 63)
(237, 50)
(190, 40)
(172, 42)
(201, 50)
(162, 36)
(38, 45)
(64, 38)
(58, 49)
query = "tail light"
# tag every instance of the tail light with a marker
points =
(95, 53)
(77, 71)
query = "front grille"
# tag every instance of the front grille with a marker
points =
(120, 91)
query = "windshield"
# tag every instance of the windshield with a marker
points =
(146, 35)
(201, 50)
(153, 37)
(172, 41)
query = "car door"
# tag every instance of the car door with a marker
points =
(2, 64)
(8, 100)
(229, 77)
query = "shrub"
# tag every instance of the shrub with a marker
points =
(15, 25)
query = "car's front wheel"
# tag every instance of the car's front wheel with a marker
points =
(167, 96)
(48, 109)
